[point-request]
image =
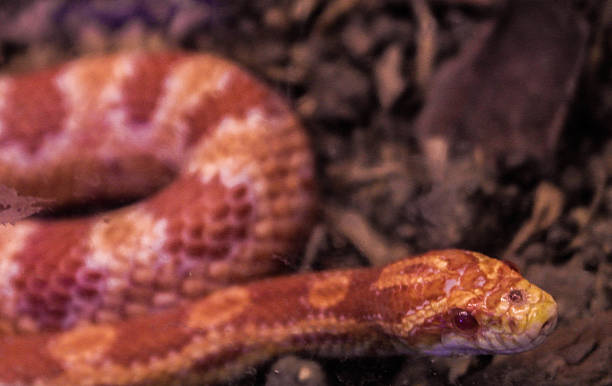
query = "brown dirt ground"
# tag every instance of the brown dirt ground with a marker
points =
(477, 124)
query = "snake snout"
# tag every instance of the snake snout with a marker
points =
(544, 320)
(549, 325)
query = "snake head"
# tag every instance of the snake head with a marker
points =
(475, 305)
(508, 321)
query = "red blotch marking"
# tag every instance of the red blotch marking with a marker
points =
(142, 90)
(241, 94)
(34, 110)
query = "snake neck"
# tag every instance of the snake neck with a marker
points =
(330, 314)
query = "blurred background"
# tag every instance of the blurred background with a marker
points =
(478, 124)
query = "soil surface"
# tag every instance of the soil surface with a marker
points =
(477, 124)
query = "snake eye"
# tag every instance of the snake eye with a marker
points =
(463, 320)
(516, 296)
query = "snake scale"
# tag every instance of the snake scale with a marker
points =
(155, 292)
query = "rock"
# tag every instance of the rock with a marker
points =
(506, 93)
(293, 371)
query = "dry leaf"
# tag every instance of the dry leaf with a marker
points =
(14, 207)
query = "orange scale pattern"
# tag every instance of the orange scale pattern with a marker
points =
(134, 296)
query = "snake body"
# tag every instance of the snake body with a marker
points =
(140, 294)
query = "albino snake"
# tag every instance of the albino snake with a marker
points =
(133, 296)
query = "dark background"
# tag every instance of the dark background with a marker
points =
(479, 124)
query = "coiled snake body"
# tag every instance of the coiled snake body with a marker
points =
(141, 295)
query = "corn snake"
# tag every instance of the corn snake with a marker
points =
(150, 275)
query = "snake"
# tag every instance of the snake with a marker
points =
(179, 287)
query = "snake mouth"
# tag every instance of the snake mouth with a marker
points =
(543, 320)
(542, 323)
(537, 336)
(549, 326)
